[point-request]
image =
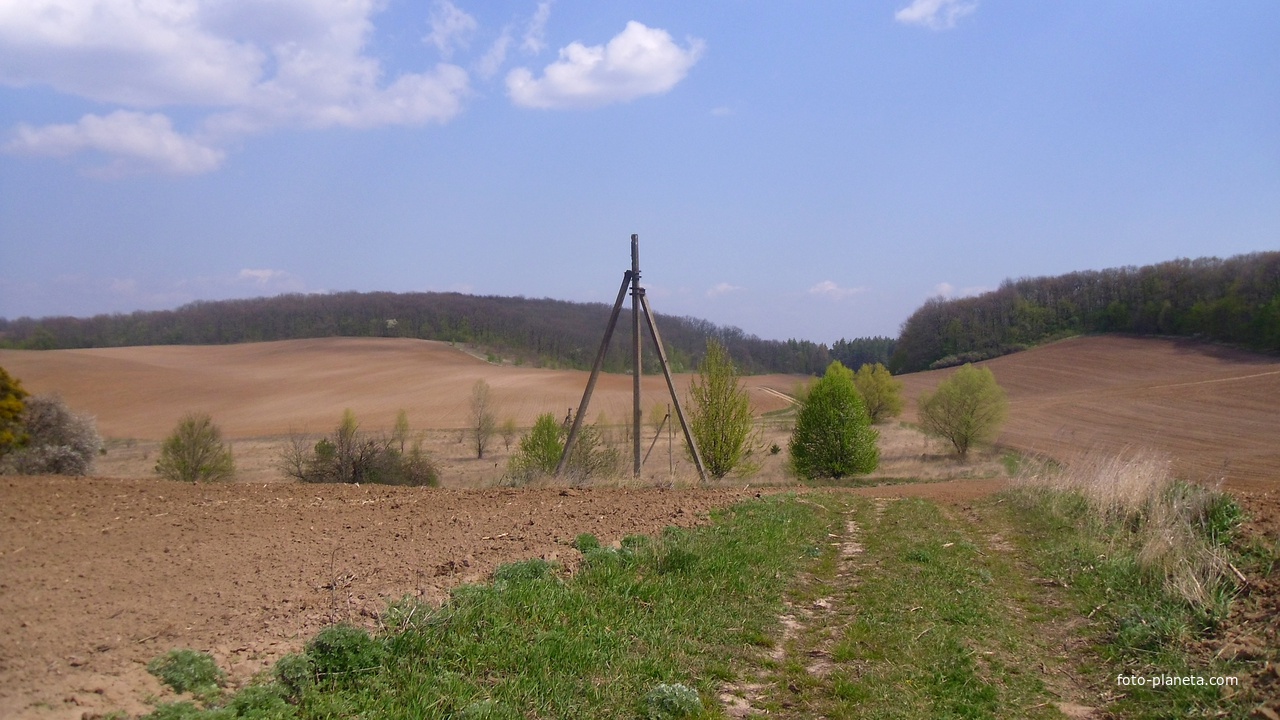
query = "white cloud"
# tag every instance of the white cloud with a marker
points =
(638, 61)
(830, 290)
(535, 35)
(450, 28)
(138, 143)
(723, 288)
(722, 111)
(250, 65)
(935, 14)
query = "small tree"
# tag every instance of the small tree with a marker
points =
(400, 433)
(59, 441)
(720, 413)
(833, 435)
(881, 393)
(194, 452)
(12, 395)
(483, 421)
(966, 409)
(509, 432)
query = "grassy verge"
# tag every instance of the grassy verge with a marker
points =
(629, 635)
(1146, 559)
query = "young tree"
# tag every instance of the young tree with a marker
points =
(400, 433)
(194, 452)
(483, 421)
(967, 408)
(833, 435)
(720, 413)
(509, 432)
(11, 407)
(539, 451)
(59, 442)
(881, 394)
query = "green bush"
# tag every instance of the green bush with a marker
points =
(833, 436)
(187, 671)
(194, 452)
(340, 654)
(295, 673)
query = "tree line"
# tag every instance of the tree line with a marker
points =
(539, 332)
(1235, 301)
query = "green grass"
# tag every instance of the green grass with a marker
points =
(679, 609)
(921, 629)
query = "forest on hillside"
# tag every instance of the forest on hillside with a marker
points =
(1234, 301)
(539, 332)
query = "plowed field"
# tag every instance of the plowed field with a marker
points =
(97, 576)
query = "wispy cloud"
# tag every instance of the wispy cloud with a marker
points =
(935, 14)
(239, 66)
(638, 61)
(491, 62)
(949, 291)
(535, 35)
(830, 290)
(134, 141)
(451, 28)
(723, 288)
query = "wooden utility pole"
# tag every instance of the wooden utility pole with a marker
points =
(639, 304)
(637, 368)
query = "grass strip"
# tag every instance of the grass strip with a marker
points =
(626, 636)
(916, 625)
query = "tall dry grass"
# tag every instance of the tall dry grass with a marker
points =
(1174, 530)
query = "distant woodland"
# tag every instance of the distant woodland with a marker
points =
(1234, 301)
(543, 333)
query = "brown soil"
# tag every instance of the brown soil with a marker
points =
(99, 576)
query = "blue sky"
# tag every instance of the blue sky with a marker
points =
(798, 169)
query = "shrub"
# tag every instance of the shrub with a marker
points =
(59, 442)
(720, 414)
(540, 450)
(11, 408)
(833, 436)
(187, 671)
(966, 409)
(668, 702)
(295, 673)
(341, 653)
(349, 456)
(194, 452)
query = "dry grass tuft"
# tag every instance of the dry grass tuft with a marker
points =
(1171, 527)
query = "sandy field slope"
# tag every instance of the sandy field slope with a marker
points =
(259, 389)
(1215, 411)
